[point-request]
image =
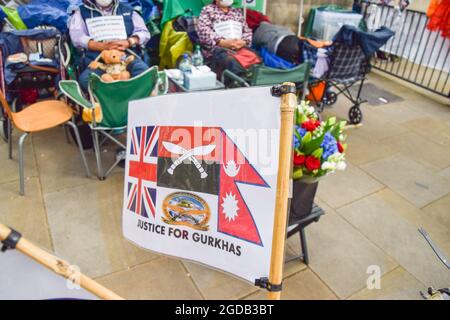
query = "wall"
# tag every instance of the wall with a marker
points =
(419, 5)
(286, 12)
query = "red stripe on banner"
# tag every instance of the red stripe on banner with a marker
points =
(143, 170)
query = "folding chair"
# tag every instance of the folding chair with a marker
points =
(37, 117)
(259, 75)
(113, 99)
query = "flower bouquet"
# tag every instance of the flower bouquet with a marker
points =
(319, 147)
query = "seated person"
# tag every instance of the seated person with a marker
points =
(135, 30)
(278, 40)
(217, 43)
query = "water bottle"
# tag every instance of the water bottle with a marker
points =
(185, 66)
(197, 57)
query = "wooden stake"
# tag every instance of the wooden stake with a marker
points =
(288, 104)
(61, 267)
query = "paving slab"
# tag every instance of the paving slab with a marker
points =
(346, 186)
(216, 285)
(418, 184)
(432, 129)
(421, 149)
(60, 163)
(445, 173)
(9, 170)
(398, 112)
(86, 225)
(386, 220)
(440, 210)
(219, 285)
(302, 286)
(362, 150)
(396, 285)
(160, 279)
(340, 255)
(26, 213)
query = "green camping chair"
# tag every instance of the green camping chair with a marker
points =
(259, 75)
(113, 99)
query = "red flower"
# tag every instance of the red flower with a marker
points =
(312, 163)
(340, 147)
(310, 125)
(299, 160)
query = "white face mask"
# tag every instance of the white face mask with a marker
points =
(104, 3)
(226, 3)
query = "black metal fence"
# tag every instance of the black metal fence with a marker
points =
(415, 54)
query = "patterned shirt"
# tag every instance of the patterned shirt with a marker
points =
(212, 14)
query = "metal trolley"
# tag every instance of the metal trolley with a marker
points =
(348, 67)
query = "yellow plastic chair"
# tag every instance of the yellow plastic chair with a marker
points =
(37, 117)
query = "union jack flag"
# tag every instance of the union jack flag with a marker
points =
(143, 159)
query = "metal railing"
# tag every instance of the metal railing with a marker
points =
(415, 54)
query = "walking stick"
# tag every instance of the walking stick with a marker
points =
(59, 266)
(288, 103)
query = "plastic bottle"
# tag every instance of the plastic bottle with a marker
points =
(185, 66)
(197, 57)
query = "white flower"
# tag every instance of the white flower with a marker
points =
(341, 165)
(328, 166)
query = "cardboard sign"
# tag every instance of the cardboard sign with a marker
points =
(229, 29)
(200, 178)
(107, 28)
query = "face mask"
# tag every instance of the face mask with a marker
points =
(104, 3)
(226, 3)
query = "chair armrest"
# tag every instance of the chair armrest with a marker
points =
(235, 77)
(72, 90)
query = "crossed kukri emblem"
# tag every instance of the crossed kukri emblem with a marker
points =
(188, 155)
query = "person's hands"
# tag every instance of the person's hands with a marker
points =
(100, 46)
(226, 43)
(120, 45)
(238, 44)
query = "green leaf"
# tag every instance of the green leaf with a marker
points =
(336, 132)
(306, 139)
(298, 173)
(297, 116)
(303, 118)
(318, 153)
(313, 145)
(331, 121)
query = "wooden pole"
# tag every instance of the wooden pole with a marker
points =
(61, 267)
(288, 104)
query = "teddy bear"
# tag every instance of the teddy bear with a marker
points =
(115, 65)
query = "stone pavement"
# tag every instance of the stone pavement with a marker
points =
(398, 179)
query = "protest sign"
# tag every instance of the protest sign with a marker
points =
(201, 178)
(107, 28)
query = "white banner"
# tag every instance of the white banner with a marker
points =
(107, 28)
(200, 177)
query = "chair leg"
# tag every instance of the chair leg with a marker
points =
(9, 138)
(304, 246)
(66, 134)
(98, 155)
(21, 165)
(80, 147)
